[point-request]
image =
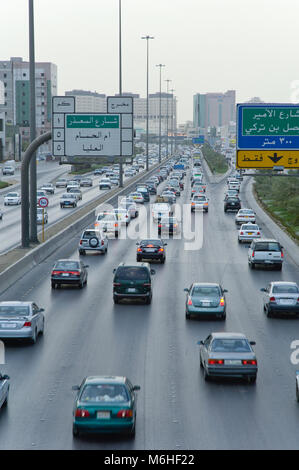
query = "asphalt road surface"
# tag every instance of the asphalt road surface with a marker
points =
(86, 334)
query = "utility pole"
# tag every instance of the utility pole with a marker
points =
(121, 184)
(160, 65)
(33, 205)
(172, 120)
(147, 108)
(168, 80)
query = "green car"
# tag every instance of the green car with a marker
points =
(205, 298)
(105, 404)
(133, 281)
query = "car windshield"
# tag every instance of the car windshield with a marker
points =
(267, 246)
(132, 273)
(66, 265)
(206, 291)
(285, 289)
(230, 345)
(104, 393)
(12, 195)
(14, 310)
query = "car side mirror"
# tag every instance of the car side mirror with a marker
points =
(5, 377)
(199, 342)
(263, 289)
(41, 309)
(225, 290)
(136, 388)
(165, 244)
(75, 387)
(252, 343)
(186, 289)
(114, 270)
(137, 243)
(153, 271)
(86, 265)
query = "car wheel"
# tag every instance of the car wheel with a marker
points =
(81, 285)
(279, 267)
(82, 252)
(116, 234)
(223, 316)
(251, 380)
(136, 214)
(148, 300)
(33, 337)
(76, 432)
(61, 206)
(205, 374)
(138, 259)
(297, 393)
(239, 240)
(163, 260)
(53, 285)
(188, 316)
(41, 332)
(268, 313)
(115, 300)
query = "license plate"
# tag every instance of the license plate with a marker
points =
(103, 414)
(131, 290)
(232, 362)
(286, 302)
(65, 274)
(206, 304)
(8, 325)
(150, 250)
(249, 233)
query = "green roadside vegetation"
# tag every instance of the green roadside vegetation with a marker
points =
(4, 184)
(279, 196)
(216, 161)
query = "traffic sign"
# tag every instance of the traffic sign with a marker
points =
(93, 134)
(268, 126)
(267, 158)
(198, 140)
(43, 202)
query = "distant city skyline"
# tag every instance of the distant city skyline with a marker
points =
(206, 47)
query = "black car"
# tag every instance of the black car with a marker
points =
(153, 249)
(70, 272)
(132, 281)
(232, 204)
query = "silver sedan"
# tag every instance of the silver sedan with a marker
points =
(281, 297)
(24, 320)
(228, 355)
(4, 389)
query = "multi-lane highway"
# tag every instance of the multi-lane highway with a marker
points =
(154, 345)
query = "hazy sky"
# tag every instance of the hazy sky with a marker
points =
(214, 45)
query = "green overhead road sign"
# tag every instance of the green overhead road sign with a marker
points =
(92, 121)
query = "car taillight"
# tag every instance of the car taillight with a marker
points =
(81, 242)
(216, 361)
(125, 414)
(159, 225)
(147, 284)
(252, 254)
(161, 249)
(190, 301)
(281, 253)
(115, 225)
(139, 250)
(96, 225)
(258, 233)
(81, 413)
(27, 323)
(241, 233)
(102, 242)
(222, 302)
(116, 284)
(249, 362)
(272, 299)
(56, 273)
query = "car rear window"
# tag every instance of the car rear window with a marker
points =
(14, 310)
(104, 393)
(68, 265)
(267, 246)
(230, 345)
(131, 273)
(89, 234)
(285, 289)
(150, 242)
(250, 227)
(206, 291)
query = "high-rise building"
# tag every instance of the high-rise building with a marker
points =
(89, 101)
(214, 109)
(15, 76)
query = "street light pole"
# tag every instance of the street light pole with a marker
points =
(168, 80)
(147, 54)
(160, 65)
(120, 87)
(33, 205)
(172, 120)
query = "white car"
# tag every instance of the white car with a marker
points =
(234, 185)
(123, 215)
(199, 201)
(105, 184)
(68, 200)
(48, 187)
(137, 197)
(131, 206)
(93, 240)
(248, 232)
(12, 199)
(245, 215)
(108, 222)
(160, 210)
(40, 193)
